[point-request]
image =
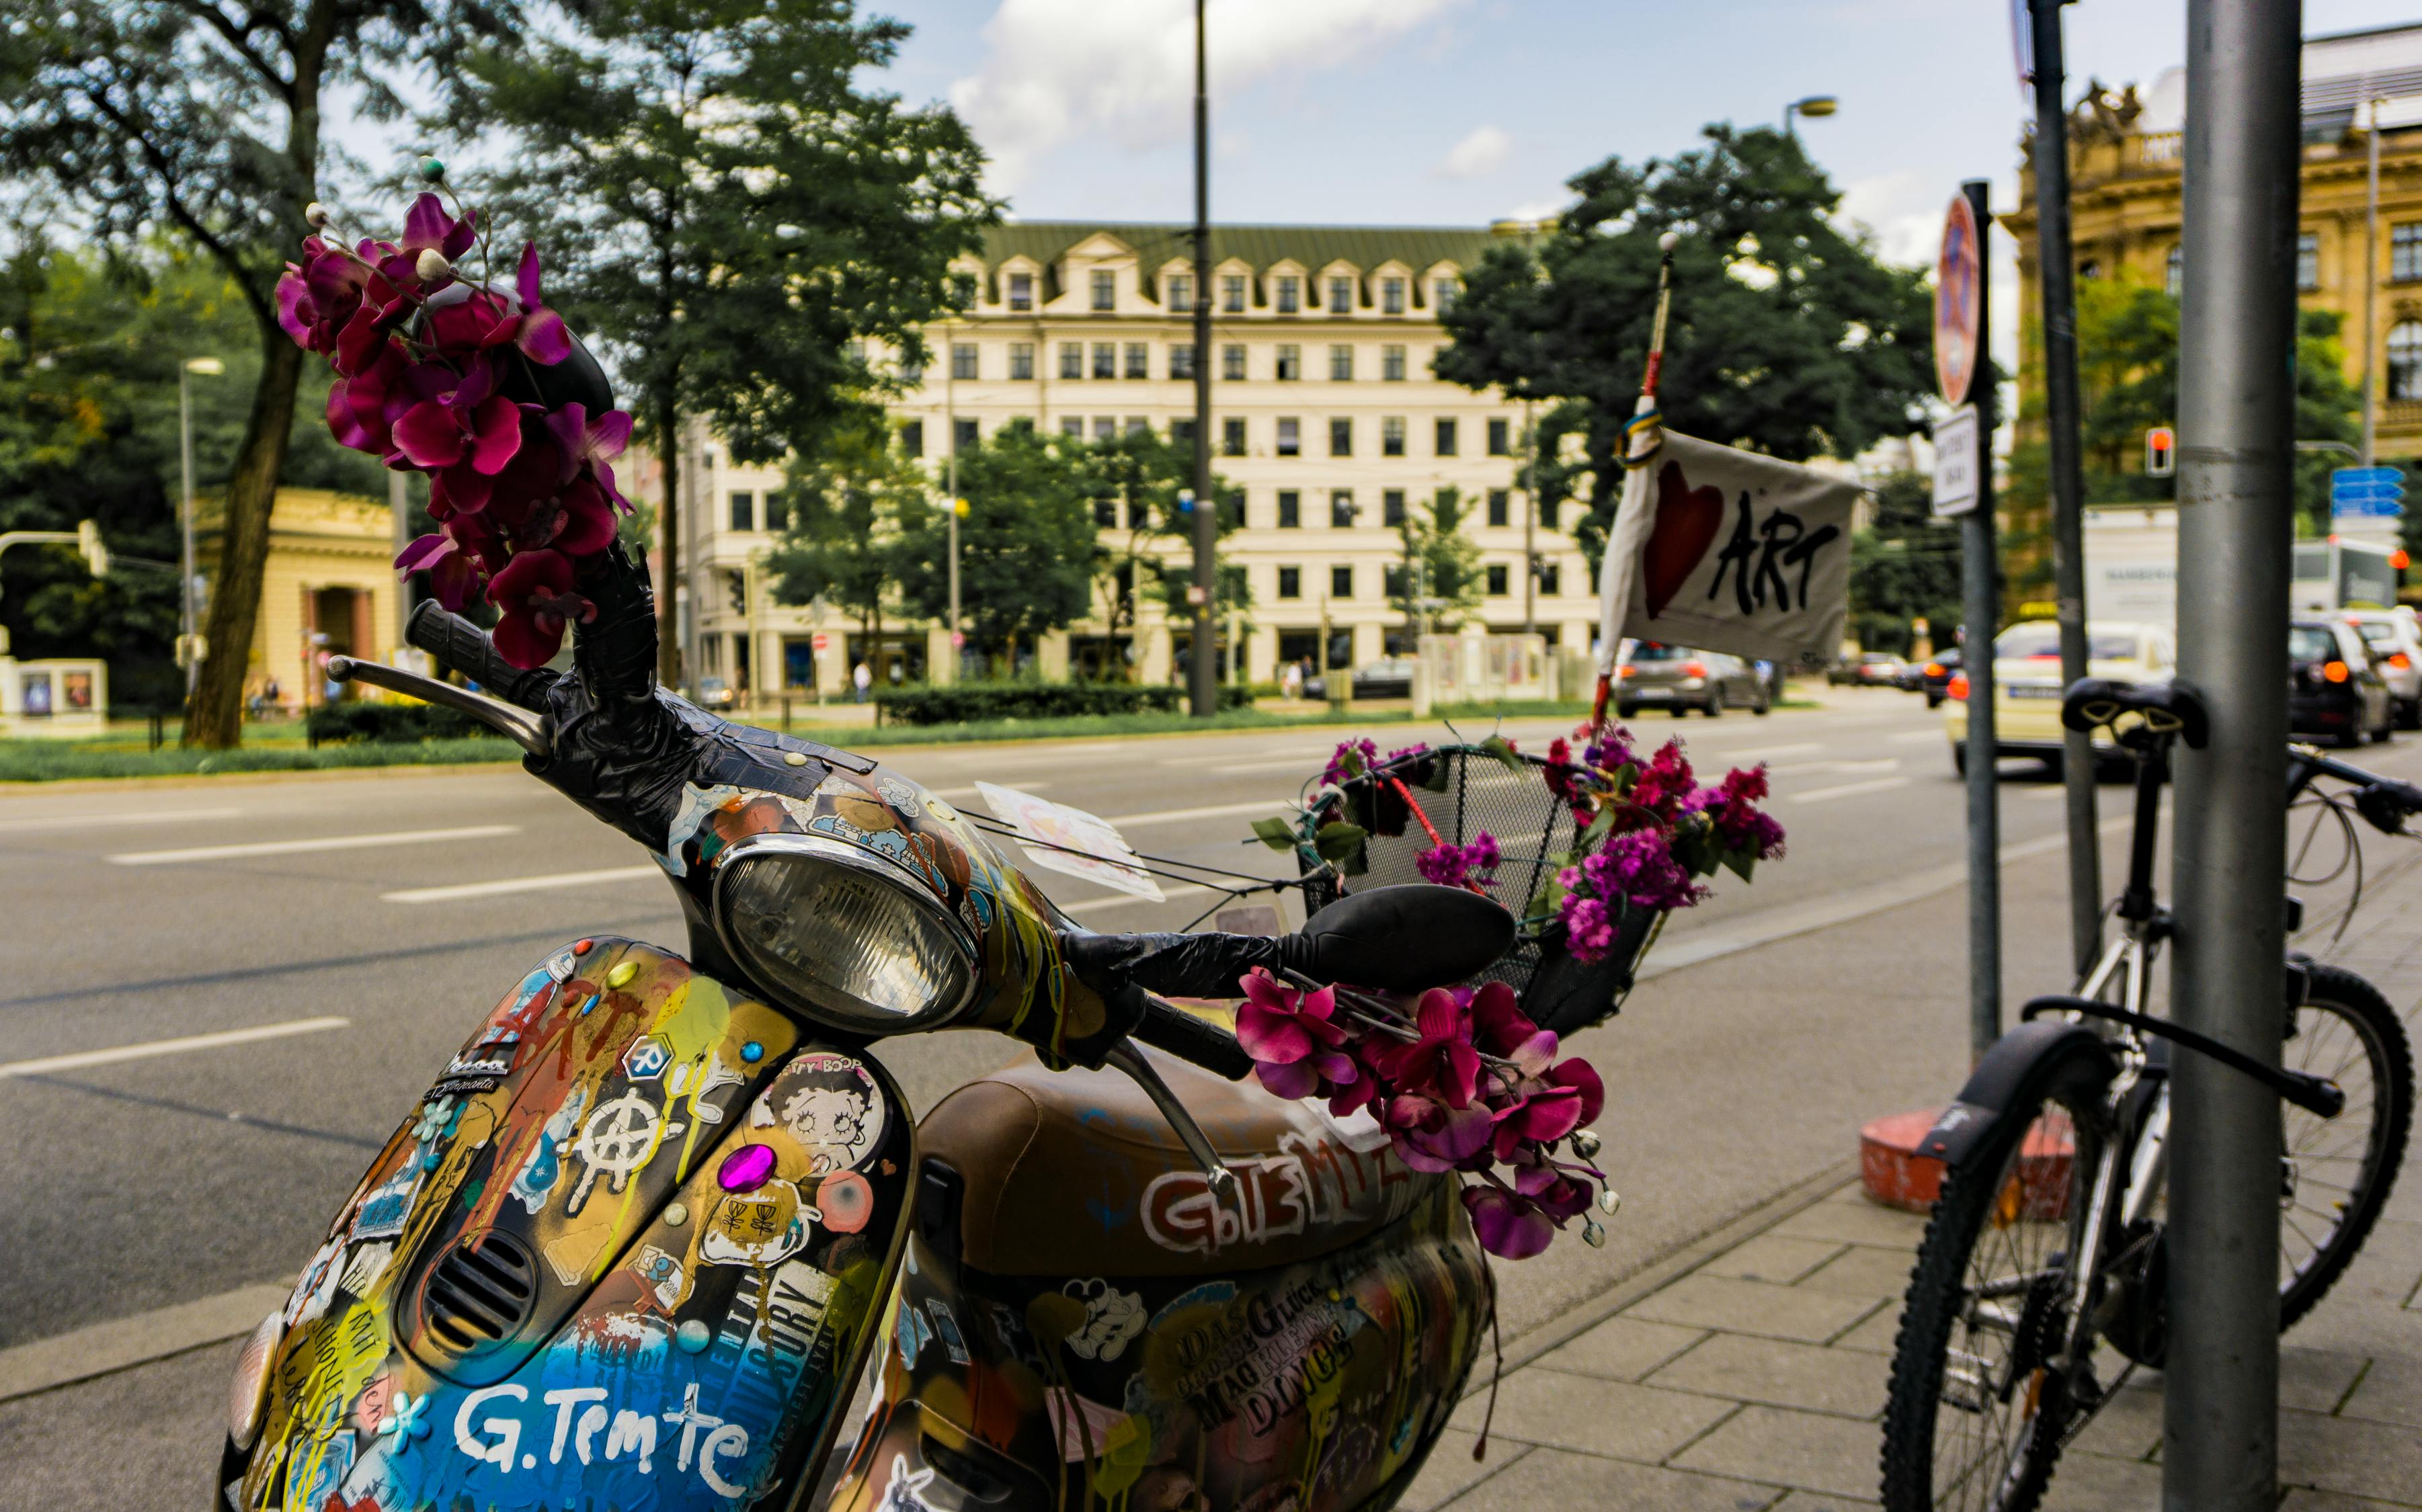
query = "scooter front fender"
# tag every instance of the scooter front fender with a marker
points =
(627, 1253)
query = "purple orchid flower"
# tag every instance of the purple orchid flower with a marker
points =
(591, 445)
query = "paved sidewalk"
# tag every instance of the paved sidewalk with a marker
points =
(1747, 1372)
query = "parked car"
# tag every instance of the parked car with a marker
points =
(1653, 674)
(2028, 685)
(1874, 669)
(2334, 689)
(714, 693)
(1391, 677)
(1933, 676)
(2395, 637)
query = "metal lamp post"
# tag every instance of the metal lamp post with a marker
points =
(1201, 678)
(1816, 107)
(188, 649)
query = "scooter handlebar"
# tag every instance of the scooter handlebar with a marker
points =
(1167, 1026)
(466, 647)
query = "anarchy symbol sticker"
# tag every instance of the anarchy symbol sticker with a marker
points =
(618, 1139)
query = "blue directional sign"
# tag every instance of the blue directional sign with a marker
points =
(2368, 493)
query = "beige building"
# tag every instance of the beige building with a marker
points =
(1325, 416)
(330, 572)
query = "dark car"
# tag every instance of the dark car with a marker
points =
(1931, 677)
(1388, 677)
(1655, 675)
(2334, 689)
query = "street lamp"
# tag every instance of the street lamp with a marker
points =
(1816, 107)
(189, 642)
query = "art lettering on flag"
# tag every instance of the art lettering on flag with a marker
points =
(1070, 841)
(1724, 549)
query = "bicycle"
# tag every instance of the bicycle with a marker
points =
(2056, 1149)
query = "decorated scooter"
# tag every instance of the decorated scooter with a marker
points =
(641, 1235)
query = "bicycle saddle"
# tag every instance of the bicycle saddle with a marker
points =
(2166, 708)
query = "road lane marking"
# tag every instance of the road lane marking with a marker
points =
(550, 882)
(1913, 737)
(1169, 893)
(326, 842)
(1280, 807)
(1302, 764)
(1229, 755)
(1801, 769)
(1767, 753)
(138, 1338)
(1848, 789)
(87, 822)
(151, 1047)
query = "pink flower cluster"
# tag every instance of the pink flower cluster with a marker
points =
(1461, 1082)
(1460, 865)
(424, 363)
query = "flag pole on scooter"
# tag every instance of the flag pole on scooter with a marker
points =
(1644, 436)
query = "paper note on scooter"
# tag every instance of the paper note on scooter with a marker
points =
(1070, 841)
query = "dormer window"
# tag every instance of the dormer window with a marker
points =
(1232, 294)
(1181, 293)
(1021, 292)
(1290, 295)
(1392, 296)
(1341, 296)
(1443, 292)
(1105, 290)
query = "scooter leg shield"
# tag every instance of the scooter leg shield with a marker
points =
(626, 1254)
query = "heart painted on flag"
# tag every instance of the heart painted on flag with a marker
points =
(1687, 521)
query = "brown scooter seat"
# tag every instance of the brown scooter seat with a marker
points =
(1075, 1172)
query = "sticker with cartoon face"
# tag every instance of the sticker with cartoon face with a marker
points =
(830, 1105)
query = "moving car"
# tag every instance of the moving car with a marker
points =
(2334, 689)
(1653, 674)
(2395, 637)
(1388, 677)
(1870, 669)
(1931, 677)
(2027, 684)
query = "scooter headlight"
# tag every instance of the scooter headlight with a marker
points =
(249, 1389)
(843, 934)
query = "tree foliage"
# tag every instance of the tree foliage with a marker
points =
(1904, 567)
(848, 507)
(1437, 564)
(730, 207)
(1026, 544)
(1787, 336)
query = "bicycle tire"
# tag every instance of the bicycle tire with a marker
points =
(2373, 1022)
(1988, 1188)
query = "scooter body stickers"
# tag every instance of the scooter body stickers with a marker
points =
(593, 1269)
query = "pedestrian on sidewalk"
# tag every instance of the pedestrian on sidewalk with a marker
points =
(863, 678)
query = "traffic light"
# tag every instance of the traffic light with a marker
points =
(96, 555)
(2161, 452)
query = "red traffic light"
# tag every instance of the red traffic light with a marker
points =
(2161, 452)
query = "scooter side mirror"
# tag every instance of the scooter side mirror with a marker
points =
(1407, 938)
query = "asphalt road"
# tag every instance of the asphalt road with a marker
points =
(332, 913)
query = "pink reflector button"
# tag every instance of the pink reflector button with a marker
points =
(746, 1169)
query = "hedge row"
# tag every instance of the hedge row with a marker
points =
(969, 702)
(389, 724)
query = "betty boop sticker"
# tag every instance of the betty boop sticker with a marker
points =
(831, 1104)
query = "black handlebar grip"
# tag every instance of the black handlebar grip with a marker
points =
(1190, 1038)
(466, 647)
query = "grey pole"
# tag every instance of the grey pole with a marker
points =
(2055, 264)
(2236, 505)
(1201, 676)
(2370, 268)
(186, 526)
(1981, 590)
(950, 505)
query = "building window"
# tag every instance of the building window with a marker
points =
(1341, 583)
(912, 370)
(1498, 578)
(1290, 295)
(1073, 425)
(2405, 249)
(1445, 436)
(1138, 515)
(744, 511)
(1290, 509)
(1290, 583)
(1391, 435)
(1340, 364)
(1021, 359)
(963, 359)
(1181, 359)
(1232, 362)
(1443, 292)
(1341, 296)
(963, 290)
(1341, 437)
(1139, 426)
(1181, 432)
(1289, 437)
(2173, 271)
(1501, 508)
(1500, 438)
(1106, 428)
(2089, 268)
(1392, 296)
(1232, 294)
(1021, 292)
(1232, 436)
(1072, 359)
(1181, 293)
(1231, 510)
(1105, 359)
(1290, 364)
(1391, 507)
(912, 439)
(1105, 513)
(1341, 508)
(2405, 360)
(964, 435)
(1138, 360)
(1391, 365)
(777, 512)
(2308, 262)
(1105, 290)
(1551, 579)
(1547, 508)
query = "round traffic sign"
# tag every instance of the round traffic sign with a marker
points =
(820, 641)
(1959, 294)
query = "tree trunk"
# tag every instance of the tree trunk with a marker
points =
(668, 637)
(214, 719)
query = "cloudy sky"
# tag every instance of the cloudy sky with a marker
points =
(1457, 112)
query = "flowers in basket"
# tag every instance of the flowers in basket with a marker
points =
(1460, 1079)
(435, 375)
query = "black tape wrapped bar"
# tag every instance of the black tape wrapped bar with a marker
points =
(466, 648)
(1190, 1038)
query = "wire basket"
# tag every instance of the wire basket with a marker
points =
(1462, 791)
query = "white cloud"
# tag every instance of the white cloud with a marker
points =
(1056, 69)
(1903, 210)
(1477, 155)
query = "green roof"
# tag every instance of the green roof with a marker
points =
(1260, 246)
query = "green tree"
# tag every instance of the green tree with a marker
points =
(848, 506)
(1904, 567)
(202, 120)
(1787, 336)
(1438, 565)
(731, 209)
(1026, 544)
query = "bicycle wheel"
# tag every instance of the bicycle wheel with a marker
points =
(2336, 1173)
(1975, 1417)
